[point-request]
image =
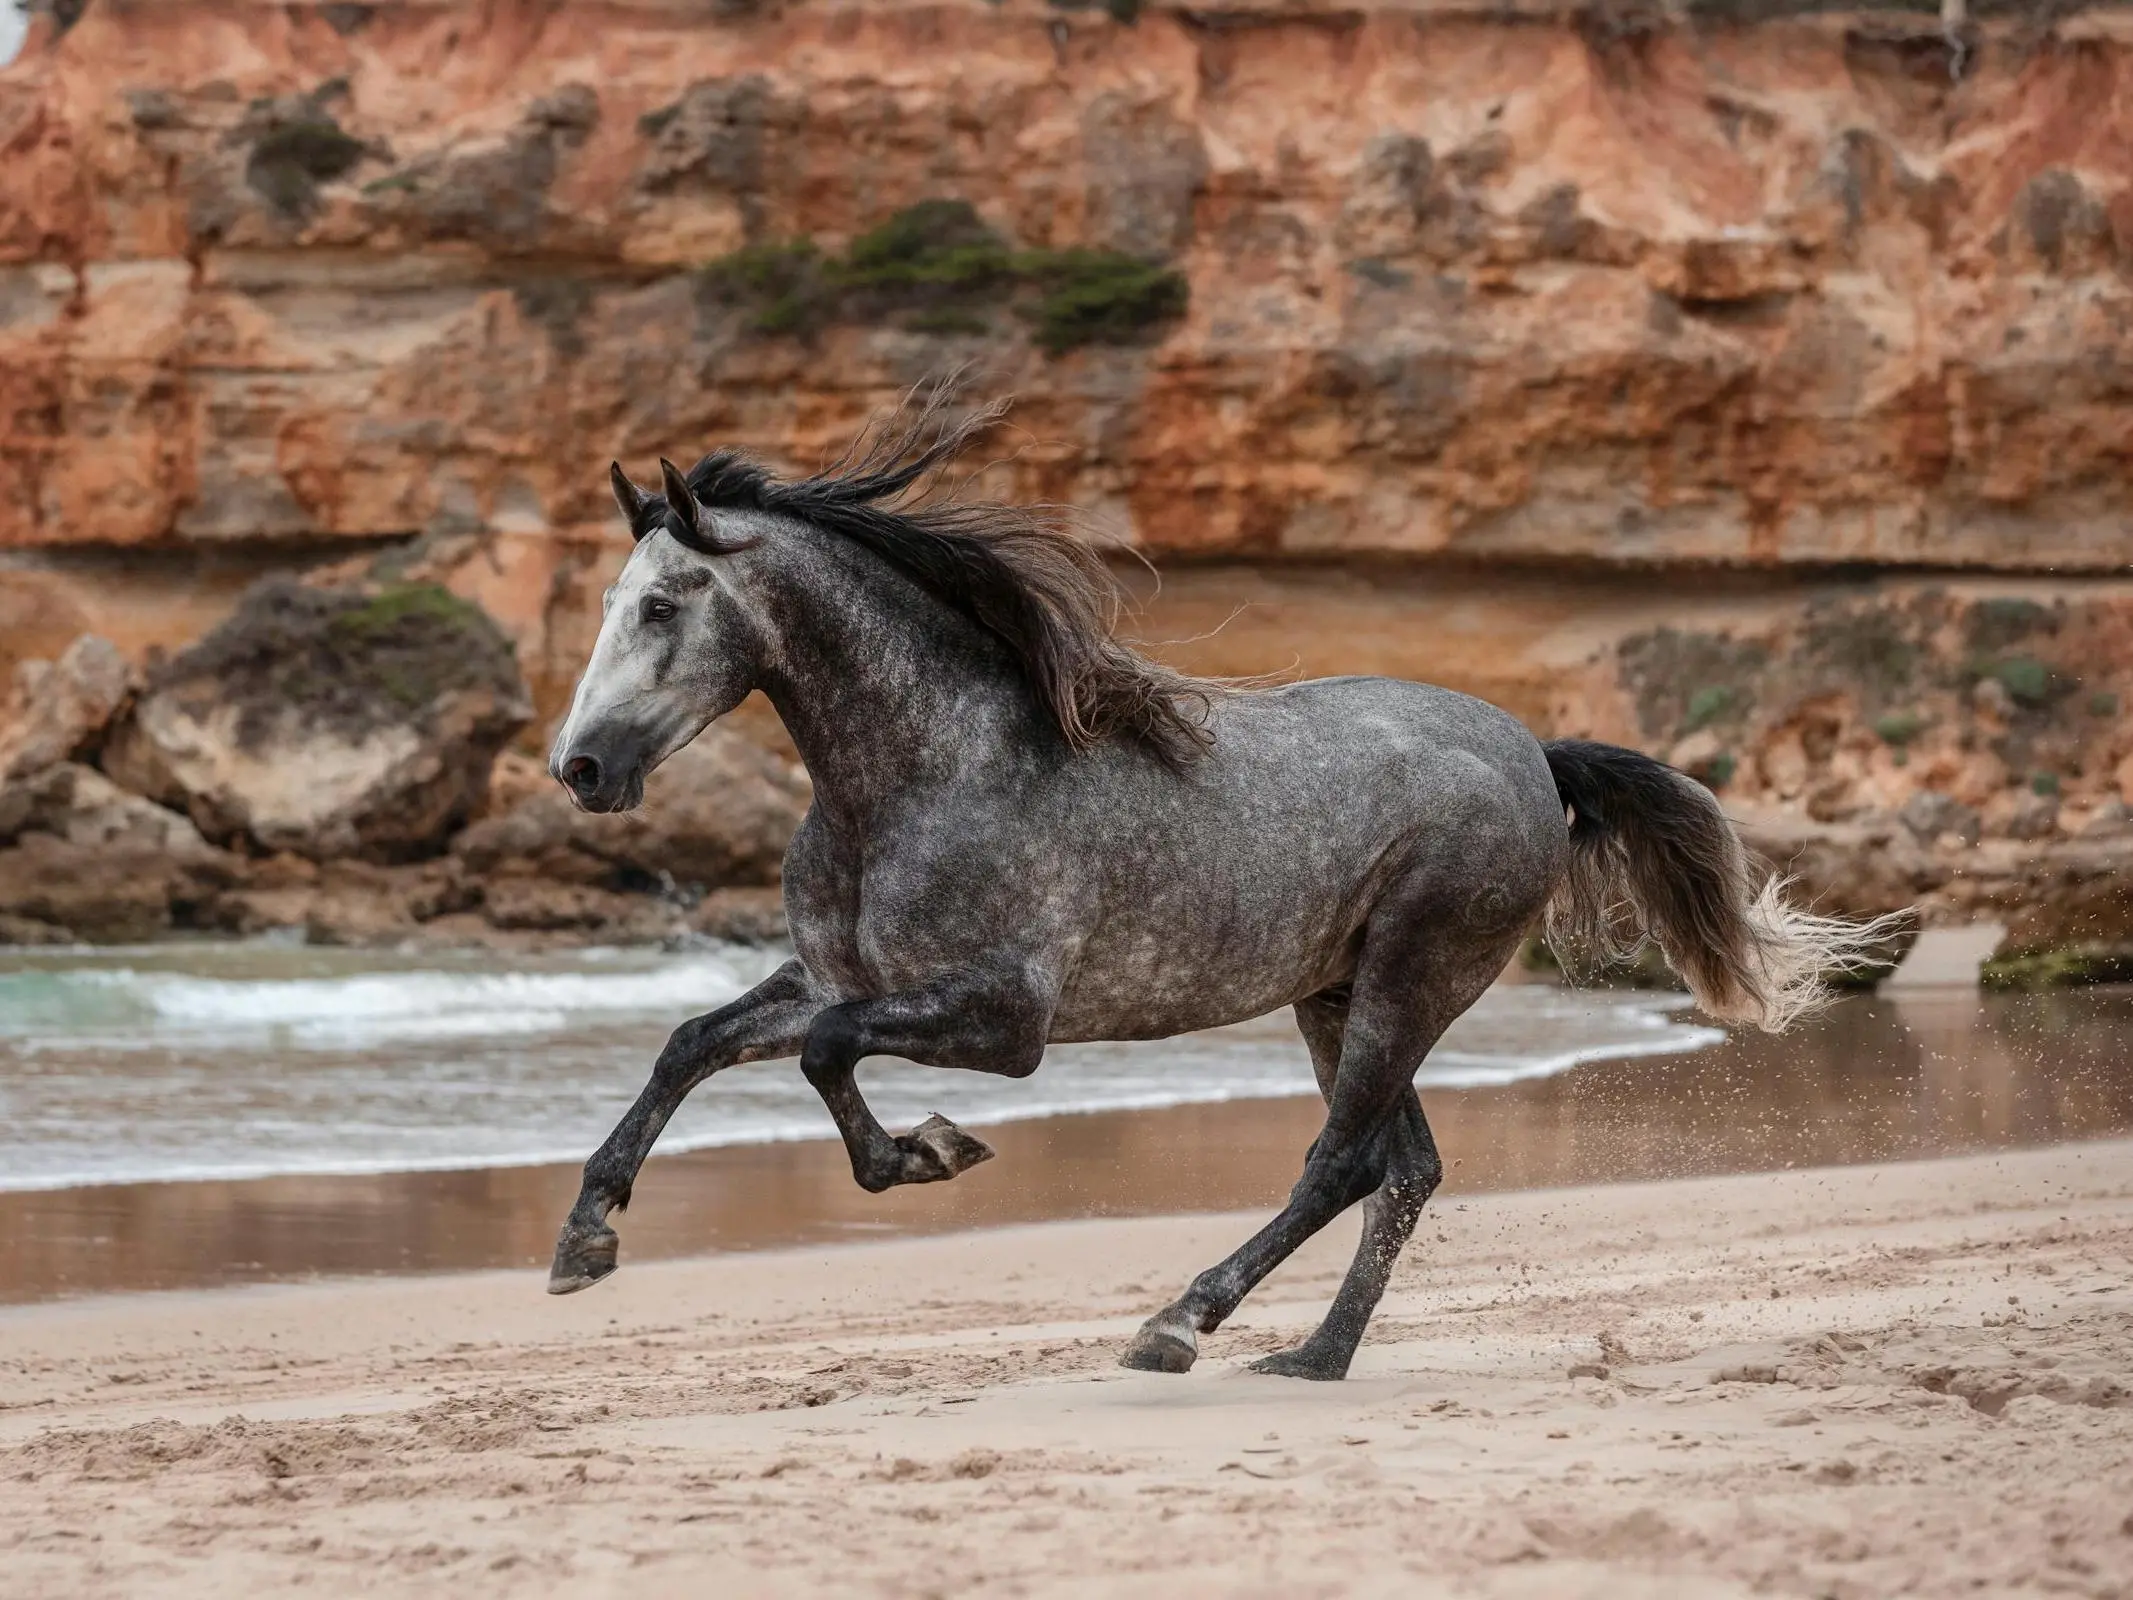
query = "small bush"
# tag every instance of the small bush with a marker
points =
(1099, 296)
(2103, 703)
(1868, 650)
(2028, 681)
(782, 282)
(934, 244)
(937, 268)
(1997, 623)
(1707, 705)
(289, 161)
(1668, 670)
(1899, 728)
(2044, 783)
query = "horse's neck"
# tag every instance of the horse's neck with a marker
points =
(884, 689)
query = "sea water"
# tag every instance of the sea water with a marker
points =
(251, 1060)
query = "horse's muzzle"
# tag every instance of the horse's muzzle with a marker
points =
(598, 785)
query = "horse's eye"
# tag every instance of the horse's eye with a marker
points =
(655, 609)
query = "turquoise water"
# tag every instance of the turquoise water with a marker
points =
(253, 1060)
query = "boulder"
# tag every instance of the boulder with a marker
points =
(89, 861)
(83, 807)
(329, 722)
(717, 814)
(2075, 919)
(56, 707)
(537, 905)
(1932, 816)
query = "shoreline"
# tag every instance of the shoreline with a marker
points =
(1880, 1080)
(1825, 1381)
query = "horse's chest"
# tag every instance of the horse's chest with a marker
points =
(888, 919)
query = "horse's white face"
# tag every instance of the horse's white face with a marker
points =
(673, 655)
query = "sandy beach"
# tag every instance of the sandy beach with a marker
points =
(1913, 1377)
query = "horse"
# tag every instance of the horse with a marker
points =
(1024, 831)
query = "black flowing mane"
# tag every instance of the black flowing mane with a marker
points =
(1017, 571)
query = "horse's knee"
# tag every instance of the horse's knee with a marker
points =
(680, 1062)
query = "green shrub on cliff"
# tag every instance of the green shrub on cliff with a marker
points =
(780, 283)
(1099, 296)
(290, 160)
(936, 267)
(2028, 681)
(1899, 728)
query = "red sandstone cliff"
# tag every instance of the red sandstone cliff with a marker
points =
(1548, 280)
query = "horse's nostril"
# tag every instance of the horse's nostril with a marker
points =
(582, 773)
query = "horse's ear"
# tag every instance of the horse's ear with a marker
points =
(629, 497)
(681, 504)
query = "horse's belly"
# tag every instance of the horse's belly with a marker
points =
(1150, 984)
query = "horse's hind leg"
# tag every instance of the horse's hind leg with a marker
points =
(1423, 963)
(1347, 1161)
(1412, 1172)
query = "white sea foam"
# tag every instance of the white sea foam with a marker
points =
(151, 1010)
(161, 1065)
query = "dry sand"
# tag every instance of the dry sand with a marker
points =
(1862, 1381)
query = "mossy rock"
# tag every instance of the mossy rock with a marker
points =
(2073, 967)
(329, 721)
(348, 660)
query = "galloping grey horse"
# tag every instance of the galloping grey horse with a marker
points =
(1023, 832)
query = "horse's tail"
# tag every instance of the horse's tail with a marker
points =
(1653, 857)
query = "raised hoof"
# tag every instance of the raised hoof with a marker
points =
(1303, 1362)
(1159, 1350)
(937, 1150)
(582, 1259)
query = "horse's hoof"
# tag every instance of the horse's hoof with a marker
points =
(582, 1258)
(1157, 1349)
(937, 1150)
(1321, 1366)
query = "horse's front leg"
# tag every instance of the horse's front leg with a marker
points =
(987, 1022)
(769, 1020)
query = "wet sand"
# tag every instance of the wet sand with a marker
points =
(1877, 1079)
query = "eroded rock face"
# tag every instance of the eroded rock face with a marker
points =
(328, 722)
(1764, 292)
(1962, 711)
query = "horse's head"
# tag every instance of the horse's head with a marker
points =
(675, 650)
